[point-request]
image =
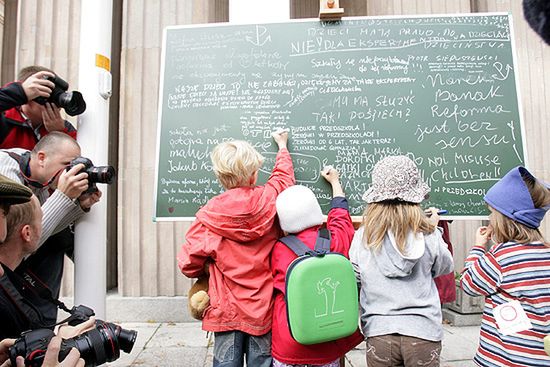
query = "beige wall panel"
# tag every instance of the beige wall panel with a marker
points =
(48, 35)
(310, 8)
(147, 250)
(1, 25)
(402, 7)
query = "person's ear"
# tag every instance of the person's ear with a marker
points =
(41, 157)
(26, 232)
(253, 179)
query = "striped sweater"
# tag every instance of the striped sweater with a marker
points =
(511, 271)
(58, 209)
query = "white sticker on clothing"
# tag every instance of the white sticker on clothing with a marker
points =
(511, 318)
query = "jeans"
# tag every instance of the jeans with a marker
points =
(396, 350)
(230, 348)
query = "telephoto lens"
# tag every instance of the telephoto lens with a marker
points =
(97, 346)
(101, 174)
(100, 345)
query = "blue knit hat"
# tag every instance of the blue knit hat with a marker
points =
(510, 196)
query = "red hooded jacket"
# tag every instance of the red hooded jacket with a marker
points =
(284, 348)
(236, 231)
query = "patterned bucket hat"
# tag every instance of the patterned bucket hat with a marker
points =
(396, 178)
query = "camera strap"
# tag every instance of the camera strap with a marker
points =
(28, 280)
(11, 287)
(24, 167)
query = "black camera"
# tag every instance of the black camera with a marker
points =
(100, 174)
(97, 346)
(72, 102)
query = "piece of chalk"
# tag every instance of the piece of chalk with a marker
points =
(327, 168)
(439, 212)
(281, 130)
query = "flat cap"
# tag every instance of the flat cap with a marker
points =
(13, 193)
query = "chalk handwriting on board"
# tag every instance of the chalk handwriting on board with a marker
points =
(439, 89)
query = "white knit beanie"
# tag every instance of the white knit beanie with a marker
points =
(298, 209)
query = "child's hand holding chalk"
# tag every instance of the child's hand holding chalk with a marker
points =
(281, 130)
(330, 174)
(327, 169)
(280, 135)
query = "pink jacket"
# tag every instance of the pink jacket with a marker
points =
(236, 231)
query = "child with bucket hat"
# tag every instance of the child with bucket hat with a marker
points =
(397, 252)
(513, 274)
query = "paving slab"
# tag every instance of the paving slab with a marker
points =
(187, 345)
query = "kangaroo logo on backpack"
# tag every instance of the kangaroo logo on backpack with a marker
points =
(321, 292)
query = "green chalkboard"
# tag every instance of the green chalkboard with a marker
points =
(441, 89)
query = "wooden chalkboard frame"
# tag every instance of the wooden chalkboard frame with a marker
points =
(159, 218)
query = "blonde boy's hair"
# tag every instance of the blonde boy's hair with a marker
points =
(398, 216)
(235, 162)
(506, 229)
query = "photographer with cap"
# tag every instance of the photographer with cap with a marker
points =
(12, 193)
(61, 194)
(23, 120)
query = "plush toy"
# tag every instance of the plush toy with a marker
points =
(198, 298)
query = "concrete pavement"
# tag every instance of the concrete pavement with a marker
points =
(186, 345)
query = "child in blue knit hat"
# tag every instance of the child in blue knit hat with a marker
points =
(513, 274)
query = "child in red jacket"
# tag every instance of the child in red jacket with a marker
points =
(235, 233)
(300, 214)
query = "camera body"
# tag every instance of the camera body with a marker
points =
(97, 346)
(72, 102)
(99, 174)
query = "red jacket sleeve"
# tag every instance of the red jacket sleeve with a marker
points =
(340, 226)
(282, 175)
(196, 250)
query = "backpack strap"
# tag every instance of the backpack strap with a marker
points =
(296, 245)
(322, 244)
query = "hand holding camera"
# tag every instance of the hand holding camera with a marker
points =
(80, 178)
(37, 85)
(73, 182)
(51, 118)
(97, 346)
(72, 102)
(88, 199)
(50, 358)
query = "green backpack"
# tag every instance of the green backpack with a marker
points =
(321, 292)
